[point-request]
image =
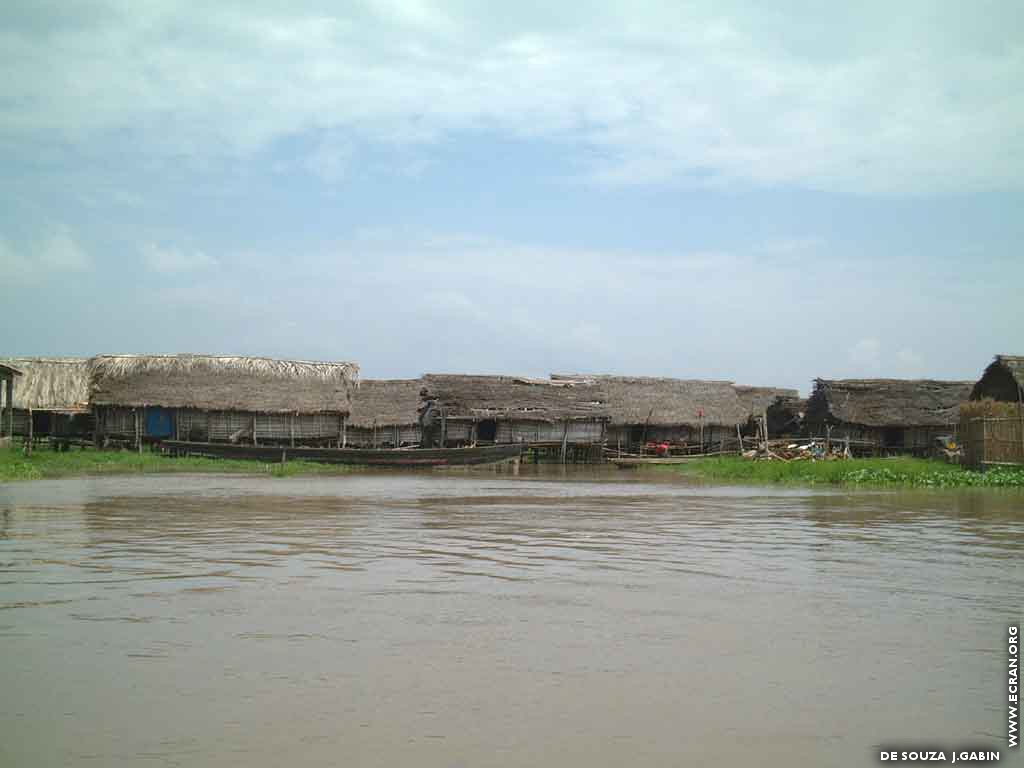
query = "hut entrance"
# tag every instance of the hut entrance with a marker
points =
(159, 422)
(41, 421)
(487, 431)
(892, 437)
(637, 433)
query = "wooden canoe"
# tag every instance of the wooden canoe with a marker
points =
(369, 457)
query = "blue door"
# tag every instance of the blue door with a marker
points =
(159, 422)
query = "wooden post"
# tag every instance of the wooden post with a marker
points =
(739, 438)
(344, 431)
(291, 428)
(1020, 418)
(984, 441)
(254, 440)
(138, 430)
(28, 445)
(565, 439)
(10, 408)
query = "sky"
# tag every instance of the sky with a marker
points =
(759, 192)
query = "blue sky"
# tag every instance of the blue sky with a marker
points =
(709, 190)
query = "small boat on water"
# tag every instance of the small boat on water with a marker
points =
(369, 457)
(631, 462)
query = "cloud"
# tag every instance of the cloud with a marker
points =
(866, 354)
(59, 252)
(170, 261)
(55, 254)
(858, 100)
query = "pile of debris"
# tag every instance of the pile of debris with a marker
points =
(809, 450)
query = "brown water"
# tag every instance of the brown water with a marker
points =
(592, 619)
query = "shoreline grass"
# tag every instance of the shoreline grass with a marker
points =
(897, 472)
(46, 464)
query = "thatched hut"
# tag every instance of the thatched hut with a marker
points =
(886, 415)
(384, 414)
(8, 373)
(992, 423)
(510, 409)
(215, 398)
(52, 397)
(1002, 381)
(783, 408)
(689, 412)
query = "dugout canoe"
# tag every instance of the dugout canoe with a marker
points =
(368, 457)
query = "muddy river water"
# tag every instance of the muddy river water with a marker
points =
(478, 619)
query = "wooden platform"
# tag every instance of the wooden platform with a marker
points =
(369, 457)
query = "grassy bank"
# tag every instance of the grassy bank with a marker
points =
(919, 473)
(14, 465)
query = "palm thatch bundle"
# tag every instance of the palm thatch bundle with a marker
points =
(527, 399)
(51, 383)
(215, 383)
(887, 402)
(663, 402)
(1002, 380)
(757, 400)
(385, 403)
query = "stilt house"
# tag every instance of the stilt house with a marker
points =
(781, 406)
(886, 415)
(217, 398)
(52, 397)
(384, 414)
(8, 373)
(684, 412)
(992, 423)
(509, 409)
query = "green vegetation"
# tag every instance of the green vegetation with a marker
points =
(44, 463)
(921, 473)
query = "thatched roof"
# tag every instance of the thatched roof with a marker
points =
(1003, 379)
(217, 383)
(489, 397)
(887, 402)
(757, 399)
(385, 403)
(51, 383)
(665, 402)
(9, 369)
